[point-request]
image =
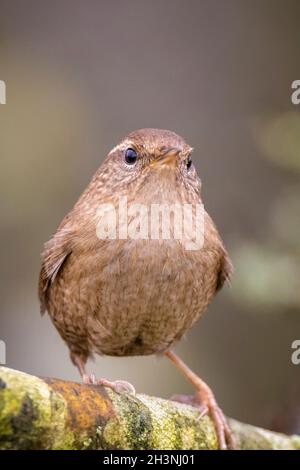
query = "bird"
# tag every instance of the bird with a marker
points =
(112, 294)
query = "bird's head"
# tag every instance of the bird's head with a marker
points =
(151, 159)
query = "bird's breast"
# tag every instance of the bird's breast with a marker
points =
(148, 294)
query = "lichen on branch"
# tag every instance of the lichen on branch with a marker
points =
(38, 413)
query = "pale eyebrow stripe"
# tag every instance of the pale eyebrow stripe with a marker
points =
(122, 146)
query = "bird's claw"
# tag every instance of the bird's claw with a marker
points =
(208, 405)
(224, 433)
(119, 386)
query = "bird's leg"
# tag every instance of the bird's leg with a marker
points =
(205, 399)
(119, 386)
(80, 362)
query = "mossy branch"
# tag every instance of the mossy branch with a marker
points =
(40, 413)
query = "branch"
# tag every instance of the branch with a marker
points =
(40, 413)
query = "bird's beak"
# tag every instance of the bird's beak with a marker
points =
(168, 157)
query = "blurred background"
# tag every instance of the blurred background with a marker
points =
(82, 74)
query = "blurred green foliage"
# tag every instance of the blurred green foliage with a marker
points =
(268, 274)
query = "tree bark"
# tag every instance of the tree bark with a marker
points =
(38, 413)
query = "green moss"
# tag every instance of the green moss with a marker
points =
(142, 422)
(253, 438)
(296, 442)
(130, 427)
(178, 427)
(26, 407)
(9, 406)
(53, 414)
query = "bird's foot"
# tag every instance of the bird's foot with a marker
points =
(205, 402)
(119, 386)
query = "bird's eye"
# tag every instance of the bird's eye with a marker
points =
(130, 156)
(189, 162)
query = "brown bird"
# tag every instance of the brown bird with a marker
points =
(123, 295)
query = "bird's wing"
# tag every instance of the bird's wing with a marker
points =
(225, 270)
(214, 241)
(55, 254)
